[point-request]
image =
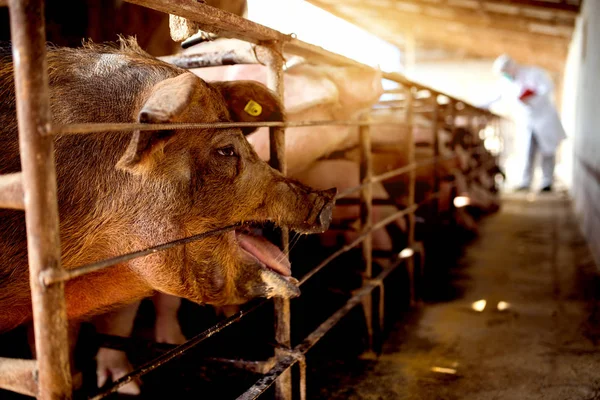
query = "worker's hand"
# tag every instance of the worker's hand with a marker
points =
(526, 95)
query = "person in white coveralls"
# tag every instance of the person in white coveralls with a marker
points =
(532, 89)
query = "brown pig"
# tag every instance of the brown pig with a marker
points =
(121, 192)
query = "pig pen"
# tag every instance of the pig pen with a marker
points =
(455, 159)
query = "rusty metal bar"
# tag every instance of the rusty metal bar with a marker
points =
(72, 129)
(214, 20)
(390, 174)
(398, 78)
(311, 340)
(302, 364)
(274, 375)
(51, 277)
(358, 240)
(19, 376)
(28, 33)
(366, 218)
(11, 191)
(274, 59)
(411, 190)
(436, 152)
(177, 351)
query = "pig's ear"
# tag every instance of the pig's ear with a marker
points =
(167, 102)
(250, 101)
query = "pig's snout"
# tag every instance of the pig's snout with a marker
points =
(321, 213)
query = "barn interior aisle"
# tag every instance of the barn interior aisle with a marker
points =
(523, 323)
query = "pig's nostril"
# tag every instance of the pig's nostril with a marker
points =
(330, 193)
(325, 216)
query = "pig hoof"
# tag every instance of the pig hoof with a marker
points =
(113, 365)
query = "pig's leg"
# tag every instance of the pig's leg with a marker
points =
(166, 328)
(110, 363)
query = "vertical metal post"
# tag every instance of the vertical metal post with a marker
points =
(302, 364)
(436, 154)
(411, 190)
(366, 217)
(41, 209)
(274, 56)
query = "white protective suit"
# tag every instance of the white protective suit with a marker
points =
(539, 116)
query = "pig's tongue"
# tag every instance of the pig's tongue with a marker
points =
(266, 252)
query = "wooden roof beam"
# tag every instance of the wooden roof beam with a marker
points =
(468, 16)
(477, 42)
(559, 5)
(401, 21)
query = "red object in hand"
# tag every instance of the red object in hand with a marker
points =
(527, 93)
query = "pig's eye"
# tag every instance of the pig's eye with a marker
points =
(227, 151)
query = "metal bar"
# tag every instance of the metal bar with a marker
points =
(72, 129)
(409, 168)
(274, 59)
(390, 174)
(129, 344)
(318, 333)
(411, 190)
(302, 364)
(398, 78)
(274, 375)
(11, 191)
(19, 376)
(436, 152)
(177, 351)
(366, 218)
(211, 59)
(52, 277)
(28, 35)
(294, 356)
(356, 202)
(214, 20)
(356, 242)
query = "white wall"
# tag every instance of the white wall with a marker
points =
(581, 110)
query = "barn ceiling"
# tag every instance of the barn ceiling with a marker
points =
(531, 31)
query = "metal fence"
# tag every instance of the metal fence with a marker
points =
(34, 190)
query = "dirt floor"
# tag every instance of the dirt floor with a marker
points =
(530, 261)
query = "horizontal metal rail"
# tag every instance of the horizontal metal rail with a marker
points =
(357, 241)
(297, 354)
(51, 277)
(177, 351)
(73, 129)
(392, 174)
(215, 20)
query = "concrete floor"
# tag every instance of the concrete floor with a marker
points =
(546, 345)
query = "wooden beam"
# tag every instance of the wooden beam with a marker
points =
(403, 22)
(552, 5)
(475, 41)
(511, 25)
(488, 17)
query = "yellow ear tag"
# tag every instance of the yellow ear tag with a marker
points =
(253, 108)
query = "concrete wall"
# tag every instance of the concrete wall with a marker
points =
(581, 112)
